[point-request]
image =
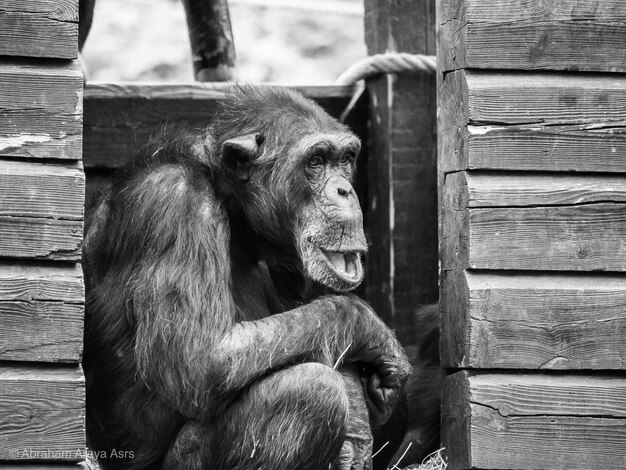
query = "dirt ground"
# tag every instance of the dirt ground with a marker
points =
(147, 40)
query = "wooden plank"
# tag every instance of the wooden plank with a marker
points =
(40, 109)
(402, 189)
(581, 35)
(119, 118)
(39, 28)
(41, 311)
(587, 233)
(39, 238)
(41, 210)
(532, 122)
(40, 190)
(42, 411)
(526, 421)
(41, 282)
(492, 189)
(533, 320)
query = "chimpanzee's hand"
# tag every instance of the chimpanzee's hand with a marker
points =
(375, 346)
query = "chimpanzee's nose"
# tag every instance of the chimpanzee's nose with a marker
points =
(340, 193)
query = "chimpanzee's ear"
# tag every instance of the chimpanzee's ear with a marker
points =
(238, 154)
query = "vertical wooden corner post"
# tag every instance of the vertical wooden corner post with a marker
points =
(402, 190)
(212, 46)
(42, 188)
(532, 159)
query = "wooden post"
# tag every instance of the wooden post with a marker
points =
(42, 189)
(402, 205)
(533, 230)
(212, 46)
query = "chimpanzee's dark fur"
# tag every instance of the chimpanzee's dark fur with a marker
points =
(195, 261)
(423, 392)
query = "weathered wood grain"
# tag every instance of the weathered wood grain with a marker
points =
(40, 109)
(496, 189)
(42, 413)
(527, 421)
(401, 221)
(564, 223)
(41, 312)
(41, 282)
(532, 34)
(41, 190)
(39, 28)
(119, 118)
(534, 320)
(532, 121)
(41, 210)
(39, 238)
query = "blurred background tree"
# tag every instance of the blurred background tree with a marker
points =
(284, 41)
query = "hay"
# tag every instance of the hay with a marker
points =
(434, 461)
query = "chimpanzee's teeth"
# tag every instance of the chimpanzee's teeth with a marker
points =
(345, 264)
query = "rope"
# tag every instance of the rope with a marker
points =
(391, 62)
(396, 62)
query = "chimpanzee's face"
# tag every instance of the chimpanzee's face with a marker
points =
(330, 227)
(295, 187)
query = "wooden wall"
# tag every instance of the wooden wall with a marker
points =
(42, 186)
(402, 176)
(532, 159)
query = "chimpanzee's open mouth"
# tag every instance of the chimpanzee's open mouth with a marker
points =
(346, 265)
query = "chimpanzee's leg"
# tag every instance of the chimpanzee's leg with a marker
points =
(294, 418)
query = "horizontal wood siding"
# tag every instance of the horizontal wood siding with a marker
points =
(40, 109)
(41, 309)
(39, 28)
(41, 210)
(42, 413)
(538, 320)
(534, 222)
(532, 146)
(531, 121)
(512, 421)
(533, 34)
(42, 193)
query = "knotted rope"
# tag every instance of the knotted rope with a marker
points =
(392, 62)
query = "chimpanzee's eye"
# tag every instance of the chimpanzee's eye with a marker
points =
(347, 159)
(315, 162)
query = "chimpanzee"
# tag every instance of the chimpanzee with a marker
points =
(423, 392)
(197, 337)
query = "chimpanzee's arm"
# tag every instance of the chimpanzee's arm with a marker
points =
(174, 236)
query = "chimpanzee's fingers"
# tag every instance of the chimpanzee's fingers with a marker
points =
(381, 400)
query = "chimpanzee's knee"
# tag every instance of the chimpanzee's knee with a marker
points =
(294, 418)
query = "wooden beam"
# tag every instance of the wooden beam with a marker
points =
(119, 118)
(548, 121)
(520, 421)
(41, 310)
(39, 28)
(529, 35)
(40, 109)
(211, 37)
(564, 223)
(42, 411)
(402, 196)
(538, 320)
